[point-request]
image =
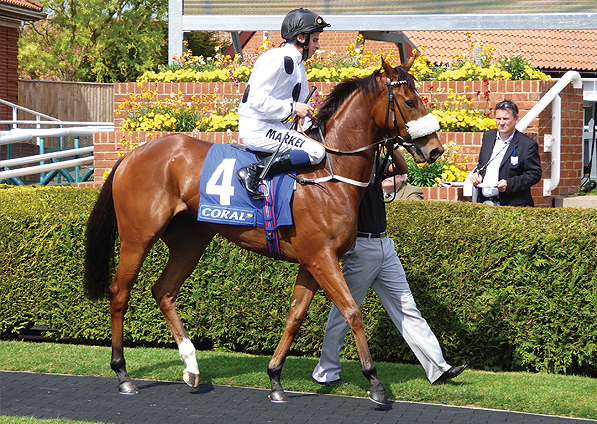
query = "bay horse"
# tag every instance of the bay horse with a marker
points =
(153, 193)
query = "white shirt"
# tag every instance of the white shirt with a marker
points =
(271, 86)
(492, 173)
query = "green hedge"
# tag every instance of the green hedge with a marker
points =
(502, 288)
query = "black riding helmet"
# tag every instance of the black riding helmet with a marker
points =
(301, 21)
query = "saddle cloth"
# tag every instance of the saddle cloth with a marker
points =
(223, 199)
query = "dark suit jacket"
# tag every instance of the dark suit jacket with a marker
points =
(520, 173)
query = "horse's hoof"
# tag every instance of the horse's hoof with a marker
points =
(278, 396)
(378, 396)
(191, 379)
(128, 388)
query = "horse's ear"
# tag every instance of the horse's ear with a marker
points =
(391, 72)
(409, 63)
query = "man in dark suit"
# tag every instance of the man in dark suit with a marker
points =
(509, 162)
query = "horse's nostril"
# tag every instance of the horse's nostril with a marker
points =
(435, 154)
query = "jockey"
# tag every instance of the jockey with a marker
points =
(278, 89)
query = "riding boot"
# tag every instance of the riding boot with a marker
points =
(249, 175)
(249, 178)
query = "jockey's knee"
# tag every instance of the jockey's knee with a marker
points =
(317, 156)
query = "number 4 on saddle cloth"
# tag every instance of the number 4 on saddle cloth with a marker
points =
(223, 199)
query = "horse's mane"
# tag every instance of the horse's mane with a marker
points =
(366, 85)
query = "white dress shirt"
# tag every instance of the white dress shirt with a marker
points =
(492, 173)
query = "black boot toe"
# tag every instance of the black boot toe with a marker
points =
(249, 178)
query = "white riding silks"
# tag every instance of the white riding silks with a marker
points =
(423, 126)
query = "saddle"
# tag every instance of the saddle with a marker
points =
(223, 199)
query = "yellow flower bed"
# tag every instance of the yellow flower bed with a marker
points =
(445, 169)
(354, 62)
(472, 72)
(453, 172)
(328, 74)
(216, 123)
(240, 73)
(178, 113)
(151, 122)
(463, 120)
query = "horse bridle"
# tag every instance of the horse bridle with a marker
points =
(391, 107)
(397, 138)
(388, 140)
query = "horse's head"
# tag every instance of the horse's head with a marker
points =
(403, 114)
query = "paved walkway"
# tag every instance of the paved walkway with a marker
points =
(97, 399)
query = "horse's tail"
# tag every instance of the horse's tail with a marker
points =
(100, 237)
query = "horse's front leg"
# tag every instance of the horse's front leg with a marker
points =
(332, 281)
(304, 290)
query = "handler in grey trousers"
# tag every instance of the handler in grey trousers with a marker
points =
(372, 262)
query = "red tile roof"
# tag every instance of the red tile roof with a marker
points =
(545, 49)
(25, 4)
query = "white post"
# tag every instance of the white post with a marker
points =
(175, 34)
(553, 144)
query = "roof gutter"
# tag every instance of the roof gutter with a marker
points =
(21, 14)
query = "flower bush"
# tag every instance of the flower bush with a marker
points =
(471, 67)
(322, 66)
(455, 113)
(445, 169)
(175, 113)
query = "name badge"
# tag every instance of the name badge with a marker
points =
(514, 160)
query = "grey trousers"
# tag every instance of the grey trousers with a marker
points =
(373, 262)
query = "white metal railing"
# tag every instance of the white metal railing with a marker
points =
(552, 142)
(24, 134)
(16, 108)
(16, 134)
(44, 168)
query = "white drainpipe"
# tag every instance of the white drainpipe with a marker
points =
(552, 143)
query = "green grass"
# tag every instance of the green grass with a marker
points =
(551, 394)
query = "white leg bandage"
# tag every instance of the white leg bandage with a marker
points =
(187, 354)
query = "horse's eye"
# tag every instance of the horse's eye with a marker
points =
(410, 103)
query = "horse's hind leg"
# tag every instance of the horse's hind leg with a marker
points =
(302, 295)
(136, 240)
(187, 240)
(131, 259)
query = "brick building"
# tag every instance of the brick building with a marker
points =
(12, 14)
(552, 51)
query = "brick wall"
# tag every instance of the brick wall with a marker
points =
(108, 145)
(9, 89)
(524, 93)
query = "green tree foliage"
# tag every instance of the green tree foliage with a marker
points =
(95, 40)
(205, 43)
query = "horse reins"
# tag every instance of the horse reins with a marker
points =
(398, 139)
(389, 140)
